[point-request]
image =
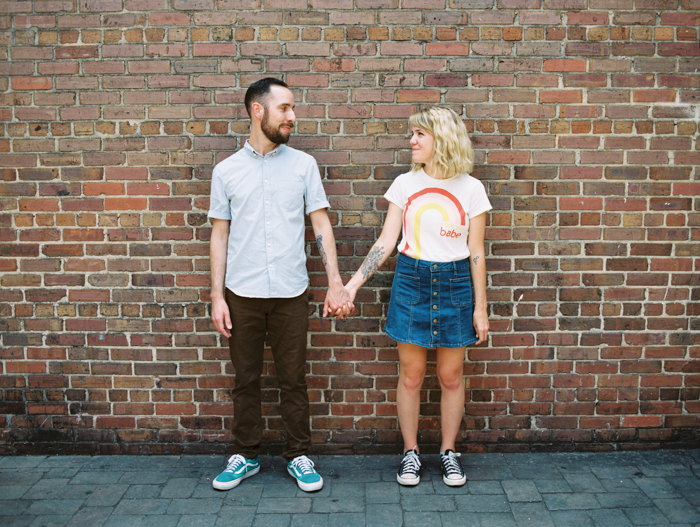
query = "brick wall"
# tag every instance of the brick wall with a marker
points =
(584, 115)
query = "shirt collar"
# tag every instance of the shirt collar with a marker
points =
(252, 151)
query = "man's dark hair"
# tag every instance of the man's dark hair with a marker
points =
(259, 91)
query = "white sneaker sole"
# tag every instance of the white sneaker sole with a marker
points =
(410, 482)
(232, 484)
(454, 482)
(307, 487)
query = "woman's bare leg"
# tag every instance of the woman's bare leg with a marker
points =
(450, 372)
(412, 362)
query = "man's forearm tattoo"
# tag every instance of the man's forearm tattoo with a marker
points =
(476, 260)
(321, 250)
(372, 262)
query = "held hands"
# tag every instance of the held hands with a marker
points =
(350, 306)
(339, 301)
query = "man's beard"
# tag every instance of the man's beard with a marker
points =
(274, 134)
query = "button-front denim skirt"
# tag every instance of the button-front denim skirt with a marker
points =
(432, 304)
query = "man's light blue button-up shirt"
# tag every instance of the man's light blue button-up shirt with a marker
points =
(264, 197)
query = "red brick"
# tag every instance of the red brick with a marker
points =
(585, 18)
(670, 49)
(564, 65)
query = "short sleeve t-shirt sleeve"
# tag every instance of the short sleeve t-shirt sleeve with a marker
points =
(436, 214)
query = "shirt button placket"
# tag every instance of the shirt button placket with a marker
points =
(267, 207)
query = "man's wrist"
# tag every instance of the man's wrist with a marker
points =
(217, 295)
(335, 281)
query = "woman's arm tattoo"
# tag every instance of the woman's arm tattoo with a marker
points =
(372, 262)
(476, 260)
(321, 250)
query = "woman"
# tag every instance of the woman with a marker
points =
(438, 299)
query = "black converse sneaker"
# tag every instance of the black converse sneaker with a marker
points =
(452, 473)
(409, 471)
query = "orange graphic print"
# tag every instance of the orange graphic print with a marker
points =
(439, 200)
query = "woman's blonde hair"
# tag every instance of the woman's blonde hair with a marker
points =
(452, 150)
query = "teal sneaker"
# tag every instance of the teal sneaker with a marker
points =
(301, 468)
(237, 470)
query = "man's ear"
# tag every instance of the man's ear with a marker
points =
(258, 110)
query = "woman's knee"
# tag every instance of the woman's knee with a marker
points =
(412, 378)
(451, 379)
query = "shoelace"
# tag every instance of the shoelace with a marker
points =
(452, 466)
(234, 463)
(410, 462)
(304, 464)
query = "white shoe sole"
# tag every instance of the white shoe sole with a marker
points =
(454, 482)
(307, 487)
(411, 482)
(232, 484)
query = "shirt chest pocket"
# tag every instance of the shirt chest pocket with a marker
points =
(288, 193)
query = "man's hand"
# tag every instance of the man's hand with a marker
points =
(338, 302)
(221, 317)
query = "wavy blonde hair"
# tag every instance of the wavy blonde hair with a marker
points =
(452, 150)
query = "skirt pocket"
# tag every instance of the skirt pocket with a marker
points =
(461, 291)
(407, 289)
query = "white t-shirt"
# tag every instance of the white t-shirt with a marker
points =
(436, 214)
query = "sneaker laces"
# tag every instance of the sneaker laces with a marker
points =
(410, 462)
(450, 463)
(234, 463)
(304, 464)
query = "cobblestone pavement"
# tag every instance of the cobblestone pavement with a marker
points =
(615, 489)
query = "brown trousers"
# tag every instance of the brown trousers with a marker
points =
(285, 321)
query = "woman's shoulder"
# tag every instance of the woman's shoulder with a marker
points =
(407, 178)
(411, 174)
(468, 180)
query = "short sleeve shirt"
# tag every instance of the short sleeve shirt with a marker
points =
(265, 197)
(436, 214)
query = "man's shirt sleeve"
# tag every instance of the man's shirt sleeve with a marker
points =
(218, 203)
(315, 195)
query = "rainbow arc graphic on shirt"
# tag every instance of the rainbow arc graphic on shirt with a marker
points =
(431, 198)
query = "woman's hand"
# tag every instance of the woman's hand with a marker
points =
(344, 311)
(481, 325)
(338, 302)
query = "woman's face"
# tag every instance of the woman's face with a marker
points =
(421, 146)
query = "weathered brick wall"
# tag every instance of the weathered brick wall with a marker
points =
(584, 115)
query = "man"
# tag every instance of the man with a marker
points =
(259, 278)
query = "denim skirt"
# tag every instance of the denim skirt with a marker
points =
(432, 304)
